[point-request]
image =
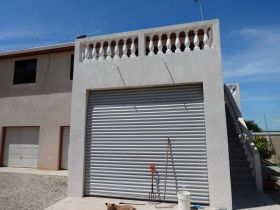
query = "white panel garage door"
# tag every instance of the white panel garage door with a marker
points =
(65, 147)
(127, 130)
(21, 147)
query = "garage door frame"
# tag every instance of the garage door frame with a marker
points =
(61, 145)
(2, 146)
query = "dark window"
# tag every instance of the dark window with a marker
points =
(25, 71)
(71, 67)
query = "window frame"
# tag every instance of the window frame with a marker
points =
(71, 66)
(17, 71)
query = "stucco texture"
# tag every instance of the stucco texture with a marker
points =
(149, 71)
(45, 103)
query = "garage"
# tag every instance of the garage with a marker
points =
(65, 147)
(127, 131)
(21, 147)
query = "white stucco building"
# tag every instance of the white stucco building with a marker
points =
(131, 93)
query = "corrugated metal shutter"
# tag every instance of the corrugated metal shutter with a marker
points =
(21, 147)
(127, 130)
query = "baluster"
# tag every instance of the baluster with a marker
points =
(168, 44)
(101, 52)
(132, 48)
(124, 49)
(117, 51)
(205, 40)
(109, 51)
(187, 41)
(177, 43)
(210, 39)
(159, 45)
(87, 57)
(196, 41)
(151, 45)
(93, 52)
(90, 53)
(83, 54)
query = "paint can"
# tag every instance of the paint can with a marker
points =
(184, 200)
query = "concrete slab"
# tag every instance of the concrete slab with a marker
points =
(93, 203)
(33, 171)
(258, 201)
(249, 200)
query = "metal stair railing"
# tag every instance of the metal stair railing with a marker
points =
(245, 137)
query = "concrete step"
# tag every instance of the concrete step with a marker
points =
(235, 146)
(231, 131)
(236, 150)
(241, 169)
(233, 140)
(237, 156)
(239, 177)
(239, 185)
(233, 150)
(239, 163)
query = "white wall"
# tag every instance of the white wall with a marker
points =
(144, 71)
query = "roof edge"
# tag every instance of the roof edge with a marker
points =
(38, 50)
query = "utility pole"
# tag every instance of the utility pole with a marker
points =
(268, 135)
(266, 126)
(200, 7)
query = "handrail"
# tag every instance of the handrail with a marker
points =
(245, 137)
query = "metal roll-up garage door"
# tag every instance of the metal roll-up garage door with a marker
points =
(21, 147)
(127, 130)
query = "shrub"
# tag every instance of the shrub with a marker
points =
(262, 146)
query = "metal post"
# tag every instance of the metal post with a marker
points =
(200, 7)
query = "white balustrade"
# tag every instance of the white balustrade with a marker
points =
(189, 38)
(106, 50)
(160, 42)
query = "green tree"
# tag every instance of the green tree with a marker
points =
(251, 125)
(262, 146)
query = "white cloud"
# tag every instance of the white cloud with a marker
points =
(20, 33)
(258, 58)
(267, 35)
(261, 98)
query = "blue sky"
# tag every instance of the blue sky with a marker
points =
(250, 32)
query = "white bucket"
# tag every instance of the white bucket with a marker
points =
(184, 200)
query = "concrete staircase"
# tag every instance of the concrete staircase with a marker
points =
(240, 172)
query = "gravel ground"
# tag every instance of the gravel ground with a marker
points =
(26, 192)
